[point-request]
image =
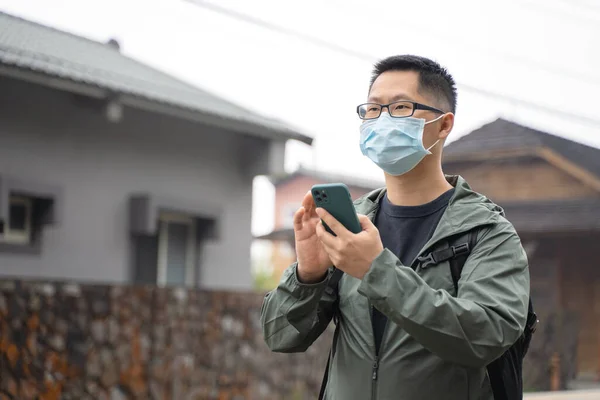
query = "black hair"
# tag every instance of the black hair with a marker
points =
(433, 78)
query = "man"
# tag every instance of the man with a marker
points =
(405, 332)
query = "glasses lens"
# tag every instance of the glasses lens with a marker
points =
(369, 111)
(401, 109)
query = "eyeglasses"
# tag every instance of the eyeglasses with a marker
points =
(397, 109)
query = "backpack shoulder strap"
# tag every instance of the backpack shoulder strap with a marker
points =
(458, 262)
(459, 249)
(331, 354)
(334, 280)
(332, 289)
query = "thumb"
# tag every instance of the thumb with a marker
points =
(365, 223)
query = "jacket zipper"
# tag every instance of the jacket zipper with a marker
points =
(375, 370)
(376, 358)
(374, 383)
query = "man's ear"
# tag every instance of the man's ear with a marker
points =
(447, 123)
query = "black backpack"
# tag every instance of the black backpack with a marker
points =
(506, 372)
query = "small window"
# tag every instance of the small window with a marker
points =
(18, 228)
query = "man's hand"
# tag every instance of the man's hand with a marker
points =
(352, 253)
(313, 260)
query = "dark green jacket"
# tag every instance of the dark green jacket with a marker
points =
(437, 342)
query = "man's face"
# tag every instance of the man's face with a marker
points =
(404, 85)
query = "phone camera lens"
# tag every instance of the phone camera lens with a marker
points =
(319, 199)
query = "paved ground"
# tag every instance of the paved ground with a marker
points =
(569, 395)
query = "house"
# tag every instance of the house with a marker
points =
(290, 189)
(113, 171)
(549, 188)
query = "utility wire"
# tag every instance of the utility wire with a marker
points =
(581, 16)
(280, 29)
(502, 55)
(367, 57)
(372, 59)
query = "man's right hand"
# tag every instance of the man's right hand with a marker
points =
(313, 261)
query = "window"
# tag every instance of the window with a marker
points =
(167, 236)
(168, 257)
(18, 228)
(176, 250)
(26, 209)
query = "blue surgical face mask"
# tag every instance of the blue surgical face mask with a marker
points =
(394, 144)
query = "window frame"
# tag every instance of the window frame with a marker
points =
(19, 238)
(163, 239)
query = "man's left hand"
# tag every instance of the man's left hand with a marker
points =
(352, 253)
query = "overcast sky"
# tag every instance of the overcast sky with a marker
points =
(537, 61)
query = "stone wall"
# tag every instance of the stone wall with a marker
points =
(73, 341)
(70, 341)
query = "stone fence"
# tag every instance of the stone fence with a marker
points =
(72, 341)
(83, 341)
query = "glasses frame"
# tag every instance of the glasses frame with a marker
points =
(416, 106)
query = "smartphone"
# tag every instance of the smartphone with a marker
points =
(336, 199)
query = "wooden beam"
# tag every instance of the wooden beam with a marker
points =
(569, 167)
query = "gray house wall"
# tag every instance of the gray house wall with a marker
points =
(64, 140)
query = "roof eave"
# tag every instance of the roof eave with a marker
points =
(280, 234)
(545, 153)
(150, 105)
(239, 126)
(51, 81)
(486, 155)
(350, 181)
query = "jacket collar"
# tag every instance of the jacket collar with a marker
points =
(466, 210)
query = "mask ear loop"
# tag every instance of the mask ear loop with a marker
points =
(433, 120)
(437, 141)
(433, 145)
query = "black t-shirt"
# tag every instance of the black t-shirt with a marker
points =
(404, 230)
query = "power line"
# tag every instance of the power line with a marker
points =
(372, 59)
(503, 55)
(367, 57)
(581, 16)
(280, 29)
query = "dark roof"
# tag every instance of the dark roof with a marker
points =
(555, 216)
(32, 47)
(326, 177)
(284, 234)
(506, 135)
